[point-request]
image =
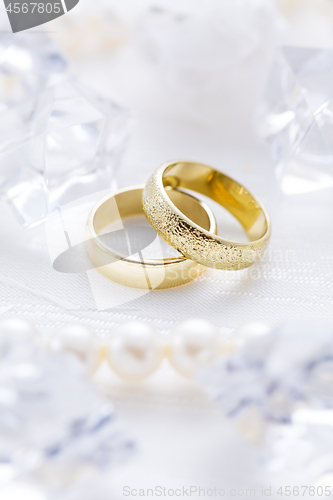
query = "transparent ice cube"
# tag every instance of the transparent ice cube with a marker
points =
(304, 447)
(265, 384)
(295, 118)
(59, 140)
(193, 45)
(53, 422)
(29, 63)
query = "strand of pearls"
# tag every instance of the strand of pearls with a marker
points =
(135, 350)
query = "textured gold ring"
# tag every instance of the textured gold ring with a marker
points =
(133, 268)
(184, 234)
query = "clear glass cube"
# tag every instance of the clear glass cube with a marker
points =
(193, 45)
(55, 427)
(58, 139)
(295, 118)
(29, 63)
(278, 390)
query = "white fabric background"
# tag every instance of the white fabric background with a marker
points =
(183, 438)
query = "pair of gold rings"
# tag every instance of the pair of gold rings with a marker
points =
(183, 221)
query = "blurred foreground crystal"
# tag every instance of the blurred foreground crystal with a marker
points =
(29, 63)
(296, 118)
(58, 140)
(305, 446)
(279, 390)
(193, 46)
(95, 30)
(54, 425)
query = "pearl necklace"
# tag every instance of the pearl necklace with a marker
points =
(135, 350)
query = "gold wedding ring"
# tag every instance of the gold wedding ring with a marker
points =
(135, 270)
(184, 234)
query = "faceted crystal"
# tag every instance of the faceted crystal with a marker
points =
(266, 384)
(296, 118)
(29, 63)
(58, 140)
(193, 45)
(92, 31)
(53, 422)
(304, 447)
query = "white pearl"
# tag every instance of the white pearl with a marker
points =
(248, 332)
(79, 340)
(134, 350)
(193, 345)
(17, 331)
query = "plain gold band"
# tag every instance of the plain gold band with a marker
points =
(184, 234)
(147, 273)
